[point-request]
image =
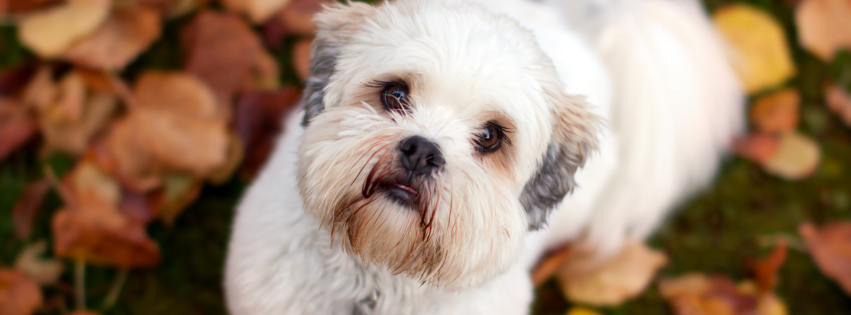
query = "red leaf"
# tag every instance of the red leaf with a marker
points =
(258, 120)
(27, 206)
(830, 247)
(19, 295)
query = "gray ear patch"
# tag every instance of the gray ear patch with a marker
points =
(321, 68)
(552, 181)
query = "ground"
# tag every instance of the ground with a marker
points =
(715, 231)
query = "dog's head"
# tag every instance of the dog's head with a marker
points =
(437, 135)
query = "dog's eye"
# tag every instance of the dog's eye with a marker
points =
(395, 96)
(490, 139)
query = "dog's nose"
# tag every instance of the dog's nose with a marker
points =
(421, 156)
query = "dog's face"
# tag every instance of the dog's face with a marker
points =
(437, 135)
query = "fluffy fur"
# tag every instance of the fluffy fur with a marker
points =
(320, 232)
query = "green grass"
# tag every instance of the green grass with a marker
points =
(716, 231)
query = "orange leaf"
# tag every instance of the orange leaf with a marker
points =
(823, 26)
(258, 10)
(766, 269)
(52, 31)
(757, 147)
(124, 35)
(297, 16)
(301, 57)
(830, 247)
(777, 112)
(550, 264)
(19, 295)
(16, 127)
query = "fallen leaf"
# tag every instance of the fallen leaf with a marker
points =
(301, 57)
(119, 40)
(823, 26)
(178, 192)
(257, 122)
(236, 154)
(25, 6)
(698, 294)
(797, 157)
(297, 16)
(51, 32)
(762, 58)
(257, 10)
(839, 102)
(830, 246)
(766, 269)
(777, 112)
(87, 177)
(84, 313)
(19, 295)
(14, 79)
(16, 127)
(176, 125)
(550, 264)
(770, 304)
(222, 50)
(587, 280)
(41, 90)
(89, 228)
(43, 271)
(581, 311)
(264, 74)
(27, 206)
(757, 147)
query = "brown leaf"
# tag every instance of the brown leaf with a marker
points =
(757, 147)
(52, 31)
(301, 57)
(27, 206)
(698, 294)
(762, 58)
(25, 6)
(550, 263)
(91, 229)
(222, 50)
(264, 74)
(178, 192)
(88, 177)
(43, 271)
(587, 280)
(777, 112)
(176, 125)
(258, 120)
(830, 247)
(297, 16)
(258, 10)
(119, 40)
(13, 80)
(839, 102)
(16, 127)
(19, 295)
(823, 26)
(766, 269)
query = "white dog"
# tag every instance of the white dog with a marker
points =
(440, 143)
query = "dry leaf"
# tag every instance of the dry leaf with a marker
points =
(777, 112)
(91, 229)
(581, 311)
(550, 264)
(27, 206)
(823, 26)
(297, 17)
(51, 32)
(43, 271)
(176, 125)
(766, 269)
(19, 295)
(222, 51)
(258, 120)
(84, 313)
(258, 10)
(758, 147)
(16, 127)
(830, 247)
(25, 6)
(770, 304)
(119, 40)
(839, 102)
(589, 281)
(797, 157)
(88, 177)
(178, 192)
(301, 57)
(264, 74)
(698, 294)
(762, 57)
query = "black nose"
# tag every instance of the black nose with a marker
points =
(421, 156)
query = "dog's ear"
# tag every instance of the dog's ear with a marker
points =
(573, 138)
(336, 25)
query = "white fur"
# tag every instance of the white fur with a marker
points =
(653, 68)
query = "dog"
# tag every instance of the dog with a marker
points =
(444, 146)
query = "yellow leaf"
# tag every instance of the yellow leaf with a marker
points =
(824, 26)
(258, 10)
(761, 52)
(51, 32)
(797, 157)
(581, 311)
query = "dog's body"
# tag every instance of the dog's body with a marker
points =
(460, 236)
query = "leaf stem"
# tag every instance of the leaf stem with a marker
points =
(115, 289)
(80, 283)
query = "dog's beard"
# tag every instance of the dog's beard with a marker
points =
(454, 228)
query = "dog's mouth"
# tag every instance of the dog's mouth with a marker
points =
(400, 192)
